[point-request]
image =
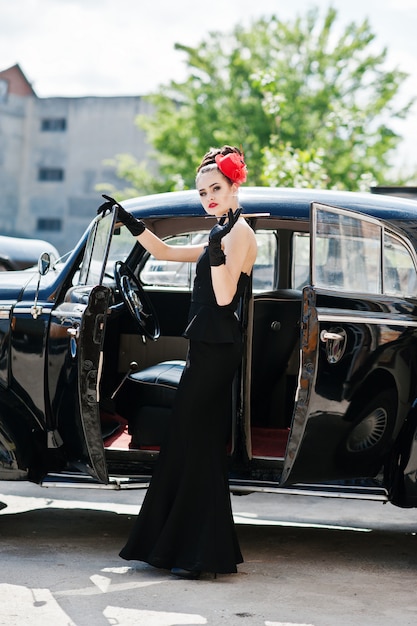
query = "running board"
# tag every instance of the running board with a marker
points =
(75, 481)
(238, 487)
(354, 492)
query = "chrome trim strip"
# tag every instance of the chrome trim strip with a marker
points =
(142, 482)
(46, 308)
(334, 316)
(380, 497)
(87, 482)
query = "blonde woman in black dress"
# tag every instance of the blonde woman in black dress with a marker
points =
(185, 523)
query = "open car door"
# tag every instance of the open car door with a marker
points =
(74, 357)
(356, 324)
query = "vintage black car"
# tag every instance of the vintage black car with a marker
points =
(18, 253)
(325, 400)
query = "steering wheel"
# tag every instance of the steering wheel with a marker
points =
(137, 301)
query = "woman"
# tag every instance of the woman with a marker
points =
(185, 523)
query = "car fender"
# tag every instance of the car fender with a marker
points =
(23, 441)
(13, 465)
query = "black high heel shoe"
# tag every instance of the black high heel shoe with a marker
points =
(185, 573)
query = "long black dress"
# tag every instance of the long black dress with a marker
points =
(186, 517)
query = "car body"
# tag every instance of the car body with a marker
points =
(18, 253)
(325, 399)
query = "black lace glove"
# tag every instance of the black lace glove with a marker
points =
(216, 254)
(135, 226)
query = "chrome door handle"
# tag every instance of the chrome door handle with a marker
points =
(325, 335)
(73, 332)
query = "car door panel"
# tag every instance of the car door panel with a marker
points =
(351, 399)
(75, 344)
(27, 342)
(89, 364)
(75, 352)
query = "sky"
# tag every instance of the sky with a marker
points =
(126, 47)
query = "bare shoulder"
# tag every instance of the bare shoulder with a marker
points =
(243, 241)
(242, 230)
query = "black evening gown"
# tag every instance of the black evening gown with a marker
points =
(186, 517)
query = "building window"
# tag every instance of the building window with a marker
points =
(51, 174)
(54, 124)
(49, 223)
(4, 88)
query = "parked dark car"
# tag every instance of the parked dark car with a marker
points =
(325, 401)
(18, 253)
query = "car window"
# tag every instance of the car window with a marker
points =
(99, 259)
(264, 270)
(347, 252)
(400, 277)
(121, 246)
(300, 274)
(355, 253)
(176, 275)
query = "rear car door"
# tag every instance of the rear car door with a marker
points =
(358, 370)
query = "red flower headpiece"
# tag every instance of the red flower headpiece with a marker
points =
(233, 166)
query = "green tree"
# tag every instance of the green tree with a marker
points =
(310, 105)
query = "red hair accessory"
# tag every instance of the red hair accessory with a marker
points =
(233, 166)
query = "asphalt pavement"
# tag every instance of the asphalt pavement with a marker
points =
(309, 561)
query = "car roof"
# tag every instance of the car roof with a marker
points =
(280, 202)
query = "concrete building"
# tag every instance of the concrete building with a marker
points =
(53, 153)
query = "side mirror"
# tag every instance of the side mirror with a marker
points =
(44, 263)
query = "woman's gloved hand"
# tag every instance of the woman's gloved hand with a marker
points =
(135, 226)
(216, 254)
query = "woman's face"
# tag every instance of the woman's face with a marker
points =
(217, 194)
